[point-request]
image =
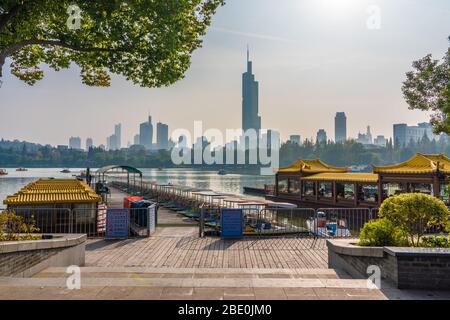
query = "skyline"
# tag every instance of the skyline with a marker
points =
(308, 68)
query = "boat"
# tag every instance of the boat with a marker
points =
(3, 172)
(321, 227)
(21, 169)
(222, 172)
(65, 171)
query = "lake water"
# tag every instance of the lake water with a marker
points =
(230, 183)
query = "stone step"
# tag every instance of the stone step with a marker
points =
(138, 281)
(192, 278)
(320, 272)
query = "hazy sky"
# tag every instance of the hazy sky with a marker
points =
(311, 57)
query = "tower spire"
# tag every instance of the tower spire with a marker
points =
(248, 53)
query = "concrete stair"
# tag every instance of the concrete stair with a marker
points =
(193, 278)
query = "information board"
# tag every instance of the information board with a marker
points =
(232, 223)
(117, 223)
(152, 219)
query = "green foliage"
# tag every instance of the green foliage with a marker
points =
(21, 154)
(14, 227)
(380, 233)
(435, 242)
(415, 214)
(427, 88)
(149, 42)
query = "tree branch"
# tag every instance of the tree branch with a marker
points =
(19, 45)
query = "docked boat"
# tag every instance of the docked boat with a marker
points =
(321, 227)
(65, 171)
(21, 169)
(3, 172)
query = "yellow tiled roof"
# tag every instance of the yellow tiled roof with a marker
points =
(311, 166)
(344, 177)
(420, 163)
(50, 191)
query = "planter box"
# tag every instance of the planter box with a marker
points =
(405, 267)
(25, 258)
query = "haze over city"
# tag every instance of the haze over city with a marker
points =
(312, 58)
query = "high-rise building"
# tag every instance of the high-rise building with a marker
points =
(321, 136)
(146, 134)
(295, 138)
(136, 139)
(118, 136)
(75, 143)
(89, 143)
(365, 138)
(162, 136)
(340, 127)
(380, 141)
(273, 139)
(404, 134)
(250, 88)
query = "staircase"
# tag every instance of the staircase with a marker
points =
(188, 284)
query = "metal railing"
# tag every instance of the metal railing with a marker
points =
(296, 222)
(93, 222)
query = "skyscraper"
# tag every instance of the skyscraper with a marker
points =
(162, 135)
(146, 134)
(250, 87)
(321, 136)
(118, 136)
(89, 143)
(340, 127)
(75, 143)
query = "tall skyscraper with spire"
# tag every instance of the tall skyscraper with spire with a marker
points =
(250, 88)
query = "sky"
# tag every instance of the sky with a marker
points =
(312, 59)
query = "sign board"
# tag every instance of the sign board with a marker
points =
(151, 219)
(231, 223)
(117, 223)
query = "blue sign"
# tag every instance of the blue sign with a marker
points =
(117, 223)
(231, 223)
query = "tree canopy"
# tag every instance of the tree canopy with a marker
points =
(427, 88)
(149, 42)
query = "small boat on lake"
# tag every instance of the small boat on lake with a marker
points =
(21, 169)
(65, 171)
(3, 172)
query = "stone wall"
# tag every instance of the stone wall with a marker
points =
(406, 268)
(25, 258)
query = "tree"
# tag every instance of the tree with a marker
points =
(149, 42)
(427, 88)
(415, 214)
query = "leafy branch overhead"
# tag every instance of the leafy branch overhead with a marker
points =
(149, 42)
(427, 88)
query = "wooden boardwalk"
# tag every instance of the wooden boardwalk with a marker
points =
(176, 245)
(180, 247)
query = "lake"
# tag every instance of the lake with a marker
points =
(230, 183)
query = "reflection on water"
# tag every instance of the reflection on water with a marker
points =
(230, 183)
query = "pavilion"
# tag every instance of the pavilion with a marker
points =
(312, 183)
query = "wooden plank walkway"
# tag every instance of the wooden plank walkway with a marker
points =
(176, 244)
(180, 247)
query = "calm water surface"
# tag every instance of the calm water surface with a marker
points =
(230, 183)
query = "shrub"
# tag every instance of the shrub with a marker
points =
(380, 233)
(12, 227)
(435, 242)
(415, 214)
